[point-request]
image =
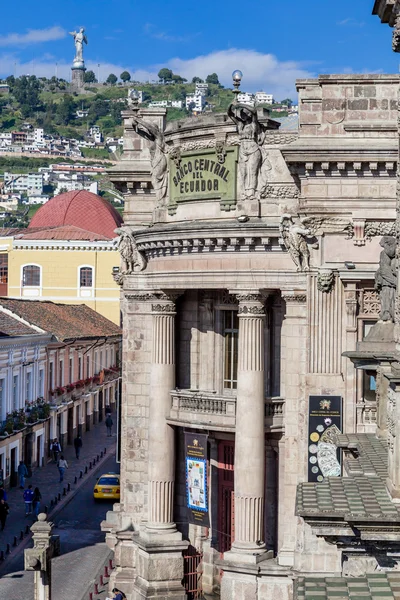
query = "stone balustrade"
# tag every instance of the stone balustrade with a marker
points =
(206, 409)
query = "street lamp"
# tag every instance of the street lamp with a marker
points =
(237, 79)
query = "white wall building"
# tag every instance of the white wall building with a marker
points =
(263, 98)
(195, 102)
(23, 182)
(201, 89)
(246, 98)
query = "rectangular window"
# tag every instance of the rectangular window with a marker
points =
(28, 390)
(80, 375)
(71, 370)
(31, 276)
(51, 376)
(107, 365)
(101, 366)
(15, 393)
(3, 268)
(2, 397)
(61, 373)
(86, 277)
(231, 338)
(41, 383)
(87, 366)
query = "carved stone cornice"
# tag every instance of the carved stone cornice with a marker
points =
(181, 243)
(294, 297)
(348, 168)
(168, 307)
(143, 296)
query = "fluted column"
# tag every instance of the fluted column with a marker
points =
(249, 434)
(161, 435)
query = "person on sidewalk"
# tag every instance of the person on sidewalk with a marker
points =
(3, 493)
(118, 595)
(4, 510)
(37, 496)
(62, 465)
(109, 424)
(55, 448)
(78, 446)
(28, 498)
(22, 473)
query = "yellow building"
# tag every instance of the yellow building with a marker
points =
(63, 260)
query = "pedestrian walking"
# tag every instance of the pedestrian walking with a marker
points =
(3, 493)
(62, 465)
(28, 498)
(78, 446)
(37, 496)
(22, 473)
(55, 448)
(109, 424)
(4, 510)
(118, 595)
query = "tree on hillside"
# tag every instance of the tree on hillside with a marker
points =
(98, 108)
(178, 78)
(165, 74)
(65, 111)
(287, 101)
(26, 91)
(112, 79)
(197, 80)
(125, 76)
(213, 78)
(89, 77)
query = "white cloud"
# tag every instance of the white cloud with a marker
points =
(33, 36)
(260, 71)
(350, 22)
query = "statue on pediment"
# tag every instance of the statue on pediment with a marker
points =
(158, 155)
(386, 278)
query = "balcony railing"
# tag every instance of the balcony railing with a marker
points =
(209, 410)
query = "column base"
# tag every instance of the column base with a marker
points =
(286, 558)
(160, 532)
(247, 556)
(159, 570)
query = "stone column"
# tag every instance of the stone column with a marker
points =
(161, 435)
(250, 425)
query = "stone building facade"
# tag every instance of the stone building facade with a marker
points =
(248, 261)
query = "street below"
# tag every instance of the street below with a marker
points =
(82, 545)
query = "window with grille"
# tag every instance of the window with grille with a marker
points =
(28, 391)
(86, 277)
(80, 374)
(3, 268)
(15, 392)
(51, 375)
(88, 366)
(41, 382)
(71, 370)
(31, 276)
(231, 338)
(61, 373)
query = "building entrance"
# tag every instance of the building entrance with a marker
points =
(226, 509)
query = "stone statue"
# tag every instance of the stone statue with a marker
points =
(251, 138)
(293, 237)
(79, 39)
(385, 278)
(151, 133)
(133, 260)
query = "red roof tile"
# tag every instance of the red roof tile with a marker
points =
(80, 208)
(65, 232)
(9, 326)
(64, 321)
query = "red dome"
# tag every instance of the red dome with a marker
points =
(80, 208)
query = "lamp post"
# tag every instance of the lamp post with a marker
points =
(237, 79)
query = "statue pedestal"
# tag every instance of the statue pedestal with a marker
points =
(380, 338)
(77, 80)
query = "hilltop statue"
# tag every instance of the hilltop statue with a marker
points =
(79, 39)
(151, 132)
(385, 278)
(251, 138)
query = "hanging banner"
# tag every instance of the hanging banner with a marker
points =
(324, 423)
(196, 478)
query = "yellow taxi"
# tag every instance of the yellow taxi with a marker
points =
(107, 487)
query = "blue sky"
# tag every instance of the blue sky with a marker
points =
(273, 42)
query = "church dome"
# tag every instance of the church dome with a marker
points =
(80, 208)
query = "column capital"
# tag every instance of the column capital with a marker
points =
(251, 302)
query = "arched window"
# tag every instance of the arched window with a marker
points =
(86, 277)
(31, 276)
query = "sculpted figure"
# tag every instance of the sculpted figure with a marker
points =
(79, 39)
(293, 237)
(251, 138)
(152, 133)
(385, 278)
(133, 260)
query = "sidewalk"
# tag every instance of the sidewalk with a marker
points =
(47, 479)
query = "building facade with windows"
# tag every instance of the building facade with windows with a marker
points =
(253, 276)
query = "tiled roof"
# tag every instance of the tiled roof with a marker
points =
(361, 496)
(12, 327)
(64, 321)
(80, 208)
(65, 232)
(374, 586)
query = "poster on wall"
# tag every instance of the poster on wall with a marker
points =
(324, 423)
(196, 478)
